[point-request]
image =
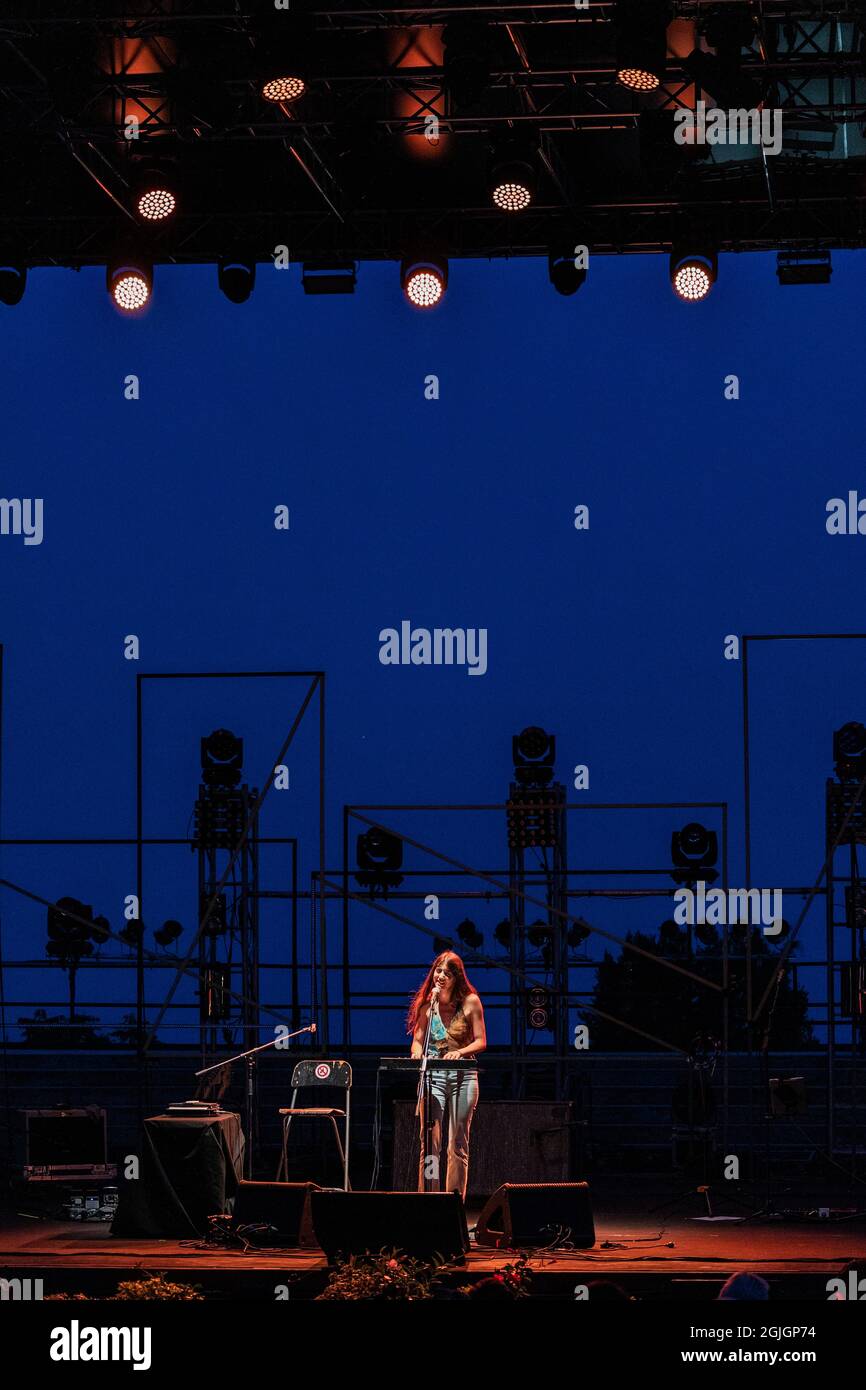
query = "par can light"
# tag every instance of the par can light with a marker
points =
(130, 285)
(424, 280)
(693, 274)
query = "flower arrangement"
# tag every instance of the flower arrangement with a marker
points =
(388, 1275)
(155, 1286)
(517, 1277)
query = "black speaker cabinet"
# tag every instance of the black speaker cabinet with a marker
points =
(279, 1210)
(527, 1214)
(418, 1223)
(510, 1141)
(65, 1141)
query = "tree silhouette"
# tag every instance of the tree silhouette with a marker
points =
(56, 1032)
(673, 1008)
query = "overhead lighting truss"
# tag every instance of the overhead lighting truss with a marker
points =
(90, 87)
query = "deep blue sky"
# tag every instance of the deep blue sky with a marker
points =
(707, 517)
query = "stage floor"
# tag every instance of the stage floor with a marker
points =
(652, 1255)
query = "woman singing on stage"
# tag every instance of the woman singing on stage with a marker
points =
(456, 1031)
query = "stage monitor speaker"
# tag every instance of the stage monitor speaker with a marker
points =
(538, 1213)
(420, 1224)
(275, 1213)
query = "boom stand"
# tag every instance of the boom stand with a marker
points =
(422, 1106)
(251, 1058)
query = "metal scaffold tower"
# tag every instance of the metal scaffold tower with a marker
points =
(229, 919)
(538, 867)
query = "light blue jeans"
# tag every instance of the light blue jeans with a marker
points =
(455, 1094)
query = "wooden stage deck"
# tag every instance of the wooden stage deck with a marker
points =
(651, 1257)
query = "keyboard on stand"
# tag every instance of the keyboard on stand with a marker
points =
(413, 1064)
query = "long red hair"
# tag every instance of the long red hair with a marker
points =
(462, 988)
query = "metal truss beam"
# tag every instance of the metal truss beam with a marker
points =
(338, 174)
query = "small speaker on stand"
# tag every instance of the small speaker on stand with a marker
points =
(275, 1213)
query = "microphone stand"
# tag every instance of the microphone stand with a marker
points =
(422, 1105)
(251, 1057)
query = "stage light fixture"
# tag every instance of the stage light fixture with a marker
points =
(512, 183)
(466, 61)
(380, 857)
(723, 80)
(641, 43)
(534, 754)
(133, 932)
(154, 192)
(730, 30)
(694, 851)
(283, 46)
(804, 267)
(13, 282)
(156, 204)
(101, 930)
(283, 89)
(539, 934)
(69, 936)
(469, 934)
(504, 933)
(565, 277)
(221, 756)
(130, 284)
(218, 921)
(578, 933)
(168, 932)
(720, 74)
(533, 818)
(329, 277)
(849, 752)
(424, 280)
(808, 135)
(693, 274)
(236, 279)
